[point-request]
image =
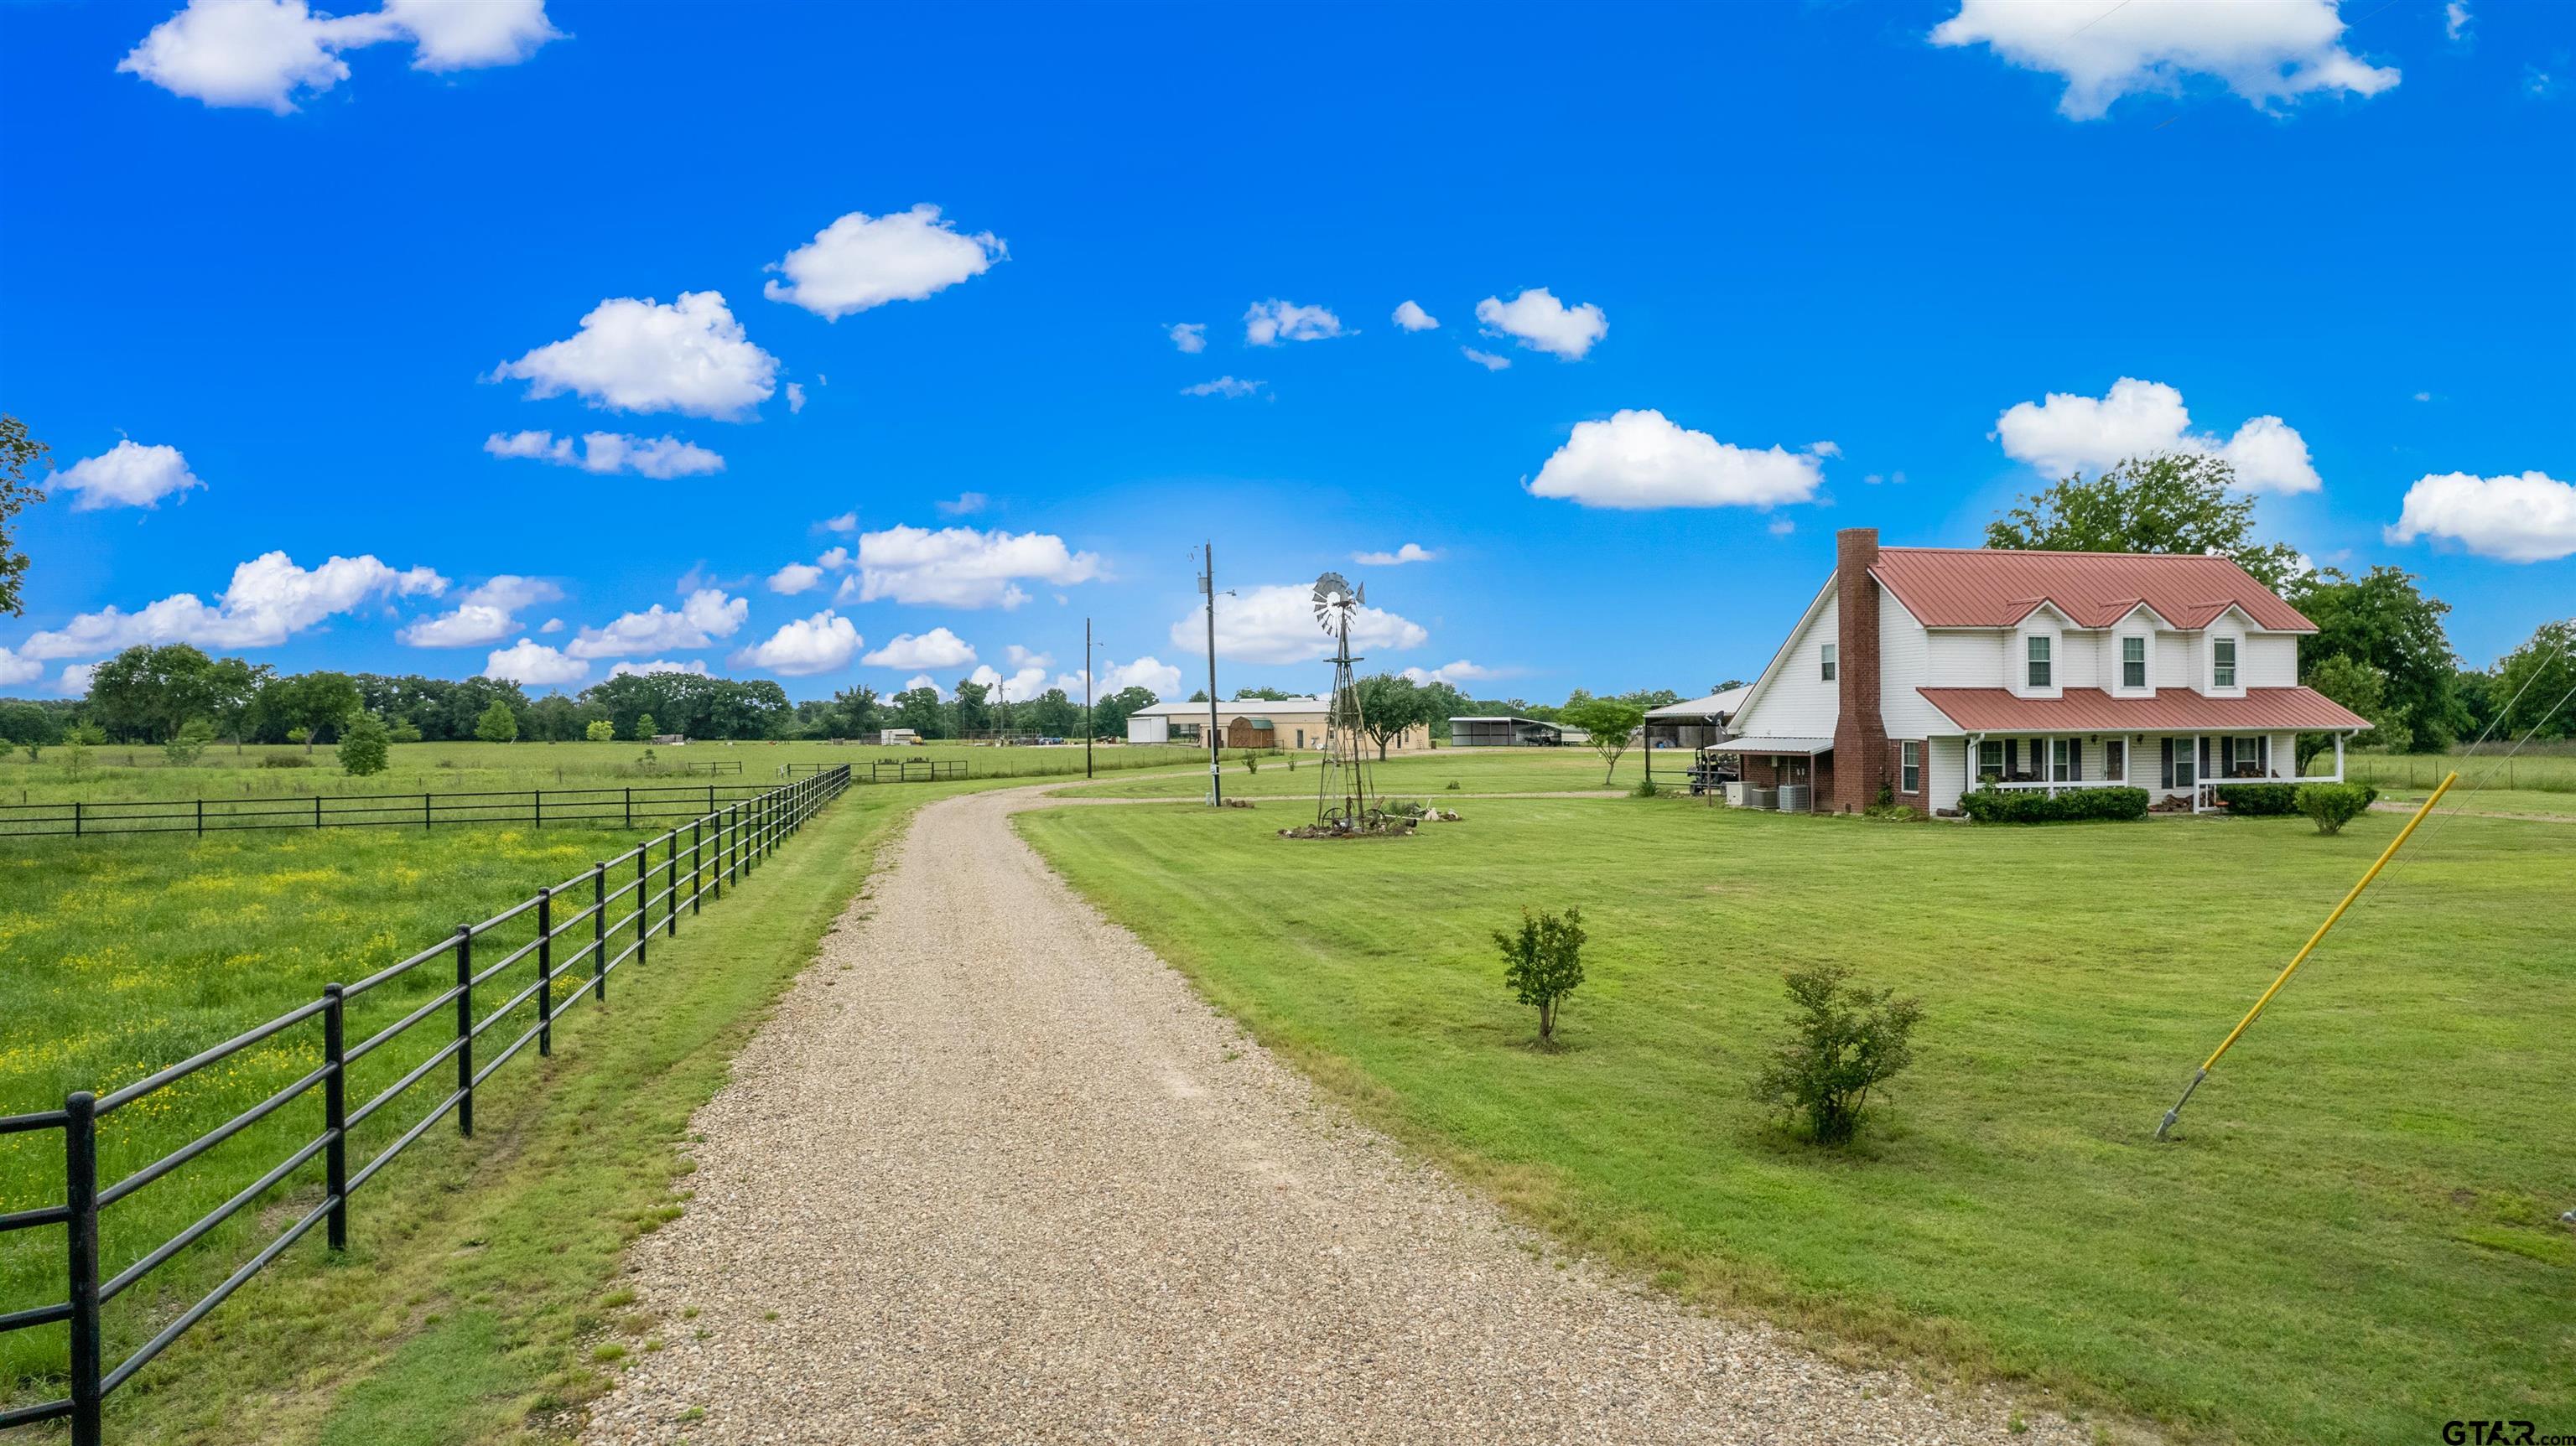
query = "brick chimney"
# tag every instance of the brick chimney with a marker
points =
(1860, 729)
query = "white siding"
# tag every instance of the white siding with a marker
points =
(2172, 657)
(1144, 729)
(2044, 622)
(1905, 664)
(1799, 703)
(1959, 658)
(1945, 772)
(2269, 660)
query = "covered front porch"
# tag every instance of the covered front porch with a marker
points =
(2181, 772)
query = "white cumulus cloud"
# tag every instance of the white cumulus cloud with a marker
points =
(662, 457)
(1224, 386)
(794, 578)
(15, 669)
(2530, 518)
(695, 666)
(1641, 459)
(1412, 317)
(1148, 672)
(819, 644)
(1271, 322)
(2264, 50)
(965, 504)
(1188, 336)
(1019, 687)
(705, 616)
(1485, 359)
(860, 261)
(532, 664)
(965, 567)
(127, 475)
(484, 614)
(74, 682)
(2065, 432)
(269, 600)
(267, 53)
(1453, 674)
(1276, 624)
(637, 355)
(1410, 552)
(938, 648)
(1540, 322)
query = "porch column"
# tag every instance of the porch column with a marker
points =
(2338, 758)
(2199, 780)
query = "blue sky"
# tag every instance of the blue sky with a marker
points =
(1863, 235)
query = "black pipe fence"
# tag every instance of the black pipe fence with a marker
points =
(536, 807)
(697, 862)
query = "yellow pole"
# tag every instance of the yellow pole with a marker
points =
(2421, 813)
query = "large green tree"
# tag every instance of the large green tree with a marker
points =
(1389, 704)
(2382, 618)
(2181, 502)
(973, 714)
(2537, 679)
(312, 702)
(19, 453)
(1110, 712)
(144, 694)
(856, 712)
(919, 710)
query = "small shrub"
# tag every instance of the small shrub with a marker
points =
(1543, 962)
(600, 730)
(1845, 1040)
(285, 760)
(1644, 789)
(403, 731)
(362, 745)
(76, 748)
(2333, 805)
(1453, 785)
(189, 744)
(2017, 805)
(1251, 761)
(1892, 813)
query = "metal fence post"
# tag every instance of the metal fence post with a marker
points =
(537, 800)
(465, 1029)
(545, 971)
(671, 880)
(599, 932)
(335, 1115)
(317, 812)
(76, 818)
(697, 863)
(643, 890)
(80, 1193)
(201, 818)
(424, 813)
(630, 808)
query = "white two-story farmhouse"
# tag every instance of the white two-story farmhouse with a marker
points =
(1928, 669)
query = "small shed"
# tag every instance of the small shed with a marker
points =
(895, 737)
(669, 740)
(1251, 733)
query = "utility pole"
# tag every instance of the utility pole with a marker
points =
(1207, 584)
(1090, 720)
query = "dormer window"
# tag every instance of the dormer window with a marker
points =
(2133, 662)
(2038, 644)
(2222, 663)
(1829, 662)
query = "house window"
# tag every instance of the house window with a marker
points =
(2115, 760)
(2244, 752)
(1829, 662)
(1990, 759)
(2039, 662)
(2222, 673)
(2059, 770)
(1909, 767)
(2133, 662)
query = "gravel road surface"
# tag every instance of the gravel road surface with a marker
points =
(994, 1173)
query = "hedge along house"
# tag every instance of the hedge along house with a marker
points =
(1925, 670)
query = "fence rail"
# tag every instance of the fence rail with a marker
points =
(720, 847)
(535, 807)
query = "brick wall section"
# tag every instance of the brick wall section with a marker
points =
(1862, 757)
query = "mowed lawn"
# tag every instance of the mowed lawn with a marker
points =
(2353, 1237)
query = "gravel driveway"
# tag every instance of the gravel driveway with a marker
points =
(994, 1173)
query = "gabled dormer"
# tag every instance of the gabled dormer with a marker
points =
(2219, 653)
(2035, 653)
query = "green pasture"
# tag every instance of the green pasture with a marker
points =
(1425, 774)
(2354, 1236)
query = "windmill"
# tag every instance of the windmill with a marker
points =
(1343, 800)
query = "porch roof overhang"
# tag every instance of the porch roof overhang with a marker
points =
(1796, 747)
(2171, 710)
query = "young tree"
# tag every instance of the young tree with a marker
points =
(189, 743)
(498, 724)
(600, 730)
(645, 727)
(2382, 618)
(18, 453)
(1844, 1041)
(1389, 704)
(2536, 678)
(2178, 502)
(77, 744)
(1543, 962)
(1610, 722)
(362, 745)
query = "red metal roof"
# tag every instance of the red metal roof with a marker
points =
(1954, 587)
(2090, 710)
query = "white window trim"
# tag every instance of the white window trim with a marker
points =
(1910, 748)
(2235, 666)
(2120, 684)
(1830, 669)
(2120, 742)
